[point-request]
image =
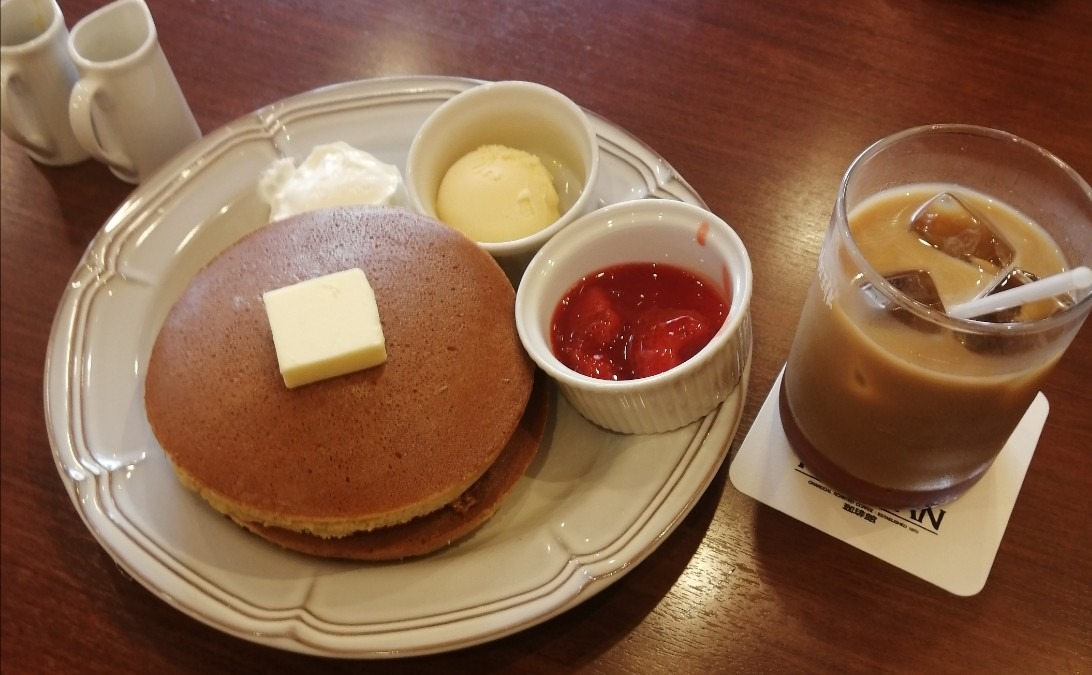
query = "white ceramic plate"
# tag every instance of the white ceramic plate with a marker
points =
(593, 505)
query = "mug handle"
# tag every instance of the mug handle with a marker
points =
(37, 140)
(80, 104)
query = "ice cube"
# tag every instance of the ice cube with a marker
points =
(1013, 279)
(917, 285)
(1011, 344)
(1032, 311)
(947, 224)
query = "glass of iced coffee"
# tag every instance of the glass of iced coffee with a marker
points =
(887, 398)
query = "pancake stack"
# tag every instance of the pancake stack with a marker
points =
(385, 463)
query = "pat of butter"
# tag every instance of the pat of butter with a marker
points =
(325, 327)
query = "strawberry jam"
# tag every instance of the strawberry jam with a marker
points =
(635, 320)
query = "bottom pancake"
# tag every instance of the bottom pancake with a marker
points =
(438, 529)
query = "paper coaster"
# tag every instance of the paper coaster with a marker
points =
(952, 546)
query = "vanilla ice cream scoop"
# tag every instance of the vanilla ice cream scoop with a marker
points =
(497, 193)
(334, 174)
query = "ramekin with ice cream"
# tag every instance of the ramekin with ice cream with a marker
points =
(508, 163)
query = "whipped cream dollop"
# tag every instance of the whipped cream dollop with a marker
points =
(334, 174)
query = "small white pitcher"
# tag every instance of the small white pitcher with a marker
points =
(127, 109)
(36, 78)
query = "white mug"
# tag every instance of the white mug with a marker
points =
(127, 109)
(36, 78)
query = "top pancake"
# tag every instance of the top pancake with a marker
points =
(359, 451)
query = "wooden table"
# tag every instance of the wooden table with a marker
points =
(760, 106)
